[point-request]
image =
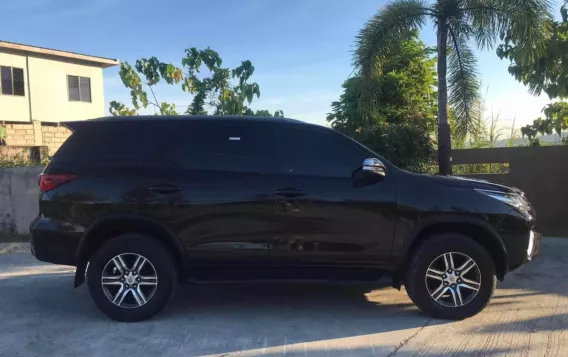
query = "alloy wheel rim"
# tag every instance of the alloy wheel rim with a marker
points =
(129, 280)
(453, 279)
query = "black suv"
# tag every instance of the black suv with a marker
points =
(140, 203)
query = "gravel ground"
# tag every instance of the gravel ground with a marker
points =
(42, 314)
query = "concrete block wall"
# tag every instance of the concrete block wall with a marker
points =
(36, 134)
(20, 134)
(53, 137)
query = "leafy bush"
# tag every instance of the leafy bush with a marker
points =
(406, 146)
(23, 159)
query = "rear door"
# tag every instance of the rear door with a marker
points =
(112, 163)
(323, 218)
(223, 215)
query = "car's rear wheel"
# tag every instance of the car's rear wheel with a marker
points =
(451, 276)
(131, 277)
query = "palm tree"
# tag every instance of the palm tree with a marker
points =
(523, 22)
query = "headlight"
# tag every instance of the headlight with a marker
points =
(512, 199)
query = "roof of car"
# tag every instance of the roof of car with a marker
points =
(75, 125)
(194, 117)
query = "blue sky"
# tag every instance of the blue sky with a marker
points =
(301, 49)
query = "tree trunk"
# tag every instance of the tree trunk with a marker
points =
(444, 139)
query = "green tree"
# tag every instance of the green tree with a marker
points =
(213, 89)
(400, 127)
(546, 73)
(524, 22)
(555, 121)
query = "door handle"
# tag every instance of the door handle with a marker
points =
(290, 192)
(165, 188)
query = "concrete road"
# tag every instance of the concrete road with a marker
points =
(42, 315)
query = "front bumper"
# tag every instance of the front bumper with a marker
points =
(527, 247)
(535, 241)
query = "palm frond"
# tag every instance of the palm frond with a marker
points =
(523, 22)
(387, 28)
(529, 27)
(463, 84)
(380, 36)
(484, 18)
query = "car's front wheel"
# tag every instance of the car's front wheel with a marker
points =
(451, 276)
(131, 277)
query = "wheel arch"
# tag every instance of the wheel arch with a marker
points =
(474, 228)
(108, 227)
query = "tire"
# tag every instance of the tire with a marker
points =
(148, 286)
(431, 257)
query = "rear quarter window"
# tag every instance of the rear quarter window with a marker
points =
(113, 142)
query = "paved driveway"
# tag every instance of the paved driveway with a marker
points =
(42, 315)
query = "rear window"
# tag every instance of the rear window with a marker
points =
(108, 142)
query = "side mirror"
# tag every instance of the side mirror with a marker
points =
(374, 167)
(372, 171)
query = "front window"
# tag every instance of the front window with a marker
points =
(309, 151)
(12, 81)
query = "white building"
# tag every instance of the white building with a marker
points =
(42, 87)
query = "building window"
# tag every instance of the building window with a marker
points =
(79, 89)
(12, 81)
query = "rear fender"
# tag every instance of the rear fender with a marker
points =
(108, 227)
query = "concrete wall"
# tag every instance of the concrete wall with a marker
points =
(541, 172)
(45, 82)
(19, 195)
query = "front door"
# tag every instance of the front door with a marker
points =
(324, 219)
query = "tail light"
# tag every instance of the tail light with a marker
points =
(48, 182)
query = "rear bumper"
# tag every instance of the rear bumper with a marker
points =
(54, 241)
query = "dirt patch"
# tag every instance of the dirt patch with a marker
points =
(14, 248)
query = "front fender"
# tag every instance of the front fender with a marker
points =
(409, 235)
